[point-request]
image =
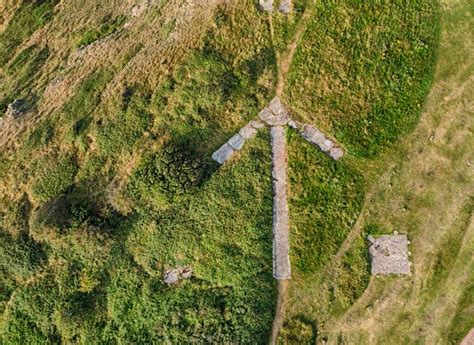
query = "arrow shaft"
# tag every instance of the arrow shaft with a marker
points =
(281, 257)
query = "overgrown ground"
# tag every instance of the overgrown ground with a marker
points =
(107, 181)
(422, 187)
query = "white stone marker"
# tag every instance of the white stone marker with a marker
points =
(276, 116)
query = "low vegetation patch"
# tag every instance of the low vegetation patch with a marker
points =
(363, 70)
(57, 174)
(107, 27)
(30, 16)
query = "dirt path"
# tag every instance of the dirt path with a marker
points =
(279, 310)
(284, 61)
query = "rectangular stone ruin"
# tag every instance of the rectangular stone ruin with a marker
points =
(389, 255)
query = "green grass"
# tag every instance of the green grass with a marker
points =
(363, 70)
(30, 16)
(326, 198)
(20, 75)
(126, 188)
(56, 175)
(107, 27)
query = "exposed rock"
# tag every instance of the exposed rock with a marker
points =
(389, 254)
(173, 276)
(223, 154)
(236, 142)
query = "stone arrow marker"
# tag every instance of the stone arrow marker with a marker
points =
(276, 116)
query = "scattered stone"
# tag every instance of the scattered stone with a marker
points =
(173, 276)
(389, 254)
(223, 154)
(186, 272)
(266, 5)
(285, 6)
(248, 132)
(236, 142)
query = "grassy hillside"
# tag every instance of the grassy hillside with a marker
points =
(106, 181)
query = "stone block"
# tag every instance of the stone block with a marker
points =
(236, 142)
(248, 131)
(223, 154)
(265, 115)
(257, 124)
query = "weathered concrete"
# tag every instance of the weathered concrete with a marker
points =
(223, 154)
(266, 5)
(389, 254)
(281, 257)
